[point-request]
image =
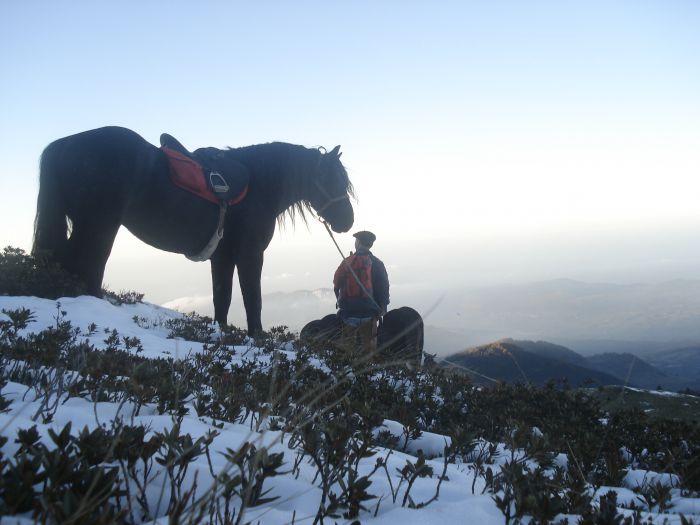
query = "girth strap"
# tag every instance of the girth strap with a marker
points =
(213, 243)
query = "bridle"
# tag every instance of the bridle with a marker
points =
(329, 200)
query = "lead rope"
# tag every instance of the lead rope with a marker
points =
(347, 264)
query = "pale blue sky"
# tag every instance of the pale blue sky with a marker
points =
(459, 121)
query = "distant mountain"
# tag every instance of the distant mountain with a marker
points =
(589, 318)
(634, 370)
(551, 351)
(565, 311)
(630, 369)
(508, 362)
(686, 357)
(683, 363)
(588, 347)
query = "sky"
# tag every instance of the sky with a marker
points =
(488, 141)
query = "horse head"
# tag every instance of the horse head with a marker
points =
(330, 192)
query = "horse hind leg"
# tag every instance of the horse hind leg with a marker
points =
(88, 249)
(250, 266)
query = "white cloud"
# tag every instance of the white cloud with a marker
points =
(197, 303)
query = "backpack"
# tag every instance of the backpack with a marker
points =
(362, 267)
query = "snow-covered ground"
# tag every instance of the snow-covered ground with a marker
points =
(297, 493)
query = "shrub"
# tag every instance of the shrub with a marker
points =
(122, 297)
(192, 327)
(23, 274)
(508, 435)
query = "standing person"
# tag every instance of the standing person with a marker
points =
(361, 286)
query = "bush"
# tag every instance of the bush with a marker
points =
(22, 274)
(192, 327)
(122, 297)
(508, 435)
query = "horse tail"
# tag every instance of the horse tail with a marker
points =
(421, 341)
(50, 223)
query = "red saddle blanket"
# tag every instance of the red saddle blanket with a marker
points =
(189, 175)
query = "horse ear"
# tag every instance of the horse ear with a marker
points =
(336, 152)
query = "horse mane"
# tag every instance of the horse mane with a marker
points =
(291, 168)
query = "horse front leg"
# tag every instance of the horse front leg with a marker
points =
(249, 274)
(222, 268)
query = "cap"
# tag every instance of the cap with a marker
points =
(365, 237)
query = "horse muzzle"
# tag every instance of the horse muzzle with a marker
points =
(338, 213)
(342, 220)
(340, 229)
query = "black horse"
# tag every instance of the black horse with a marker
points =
(93, 182)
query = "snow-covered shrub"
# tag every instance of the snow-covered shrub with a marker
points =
(541, 453)
(122, 297)
(192, 327)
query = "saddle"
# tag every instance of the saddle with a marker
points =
(207, 172)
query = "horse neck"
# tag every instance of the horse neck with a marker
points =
(283, 172)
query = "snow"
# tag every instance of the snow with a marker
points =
(662, 393)
(642, 478)
(84, 310)
(625, 497)
(686, 506)
(298, 495)
(432, 445)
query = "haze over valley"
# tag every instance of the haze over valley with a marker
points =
(589, 318)
(643, 335)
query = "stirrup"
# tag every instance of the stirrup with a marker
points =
(218, 183)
